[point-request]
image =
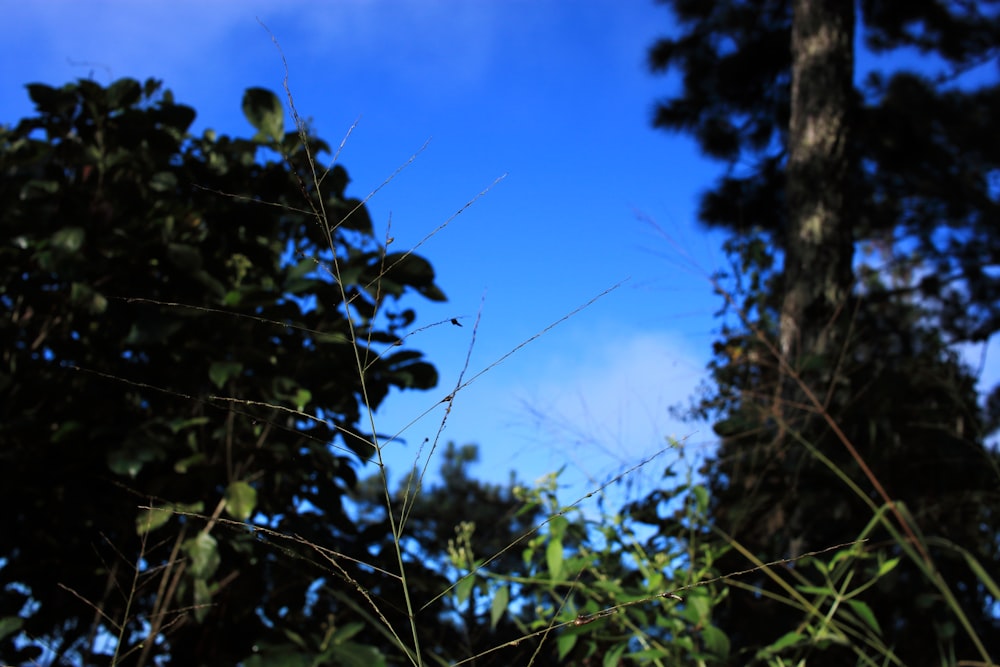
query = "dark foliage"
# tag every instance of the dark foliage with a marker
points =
(925, 143)
(924, 211)
(175, 337)
(446, 528)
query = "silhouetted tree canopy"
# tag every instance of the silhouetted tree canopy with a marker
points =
(185, 319)
(926, 156)
(918, 202)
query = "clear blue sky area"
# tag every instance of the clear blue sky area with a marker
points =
(554, 94)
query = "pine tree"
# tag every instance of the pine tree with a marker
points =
(902, 169)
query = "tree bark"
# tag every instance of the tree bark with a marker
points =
(819, 244)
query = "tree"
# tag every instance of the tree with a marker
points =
(923, 185)
(905, 166)
(187, 317)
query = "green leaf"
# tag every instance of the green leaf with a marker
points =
(150, 519)
(163, 181)
(816, 590)
(866, 614)
(264, 111)
(554, 558)
(82, 296)
(179, 424)
(701, 498)
(344, 633)
(819, 565)
(565, 643)
(203, 554)
(123, 93)
(296, 638)
(783, 642)
(499, 605)
(301, 399)
(697, 607)
(202, 599)
(10, 625)
(558, 526)
(220, 372)
(888, 566)
(130, 459)
(185, 464)
(464, 588)
(613, 657)
(69, 239)
(241, 500)
(981, 574)
(716, 642)
(353, 655)
(38, 189)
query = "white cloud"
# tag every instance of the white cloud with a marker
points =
(600, 405)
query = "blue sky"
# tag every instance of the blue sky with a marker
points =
(555, 95)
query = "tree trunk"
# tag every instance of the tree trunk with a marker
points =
(819, 244)
(819, 248)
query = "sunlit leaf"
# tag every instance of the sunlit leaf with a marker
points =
(150, 519)
(565, 643)
(185, 464)
(816, 590)
(302, 398)
(464, 588)
(716, 641)
(241, 500)
(554, 558)
(613, 657)
(499, 605)
(888, 566)
(866, 614)
(220, 372)
(786, 640)
(37, 188)
(164, 181)
(701, 497)
(203, 554)
(69, 239)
